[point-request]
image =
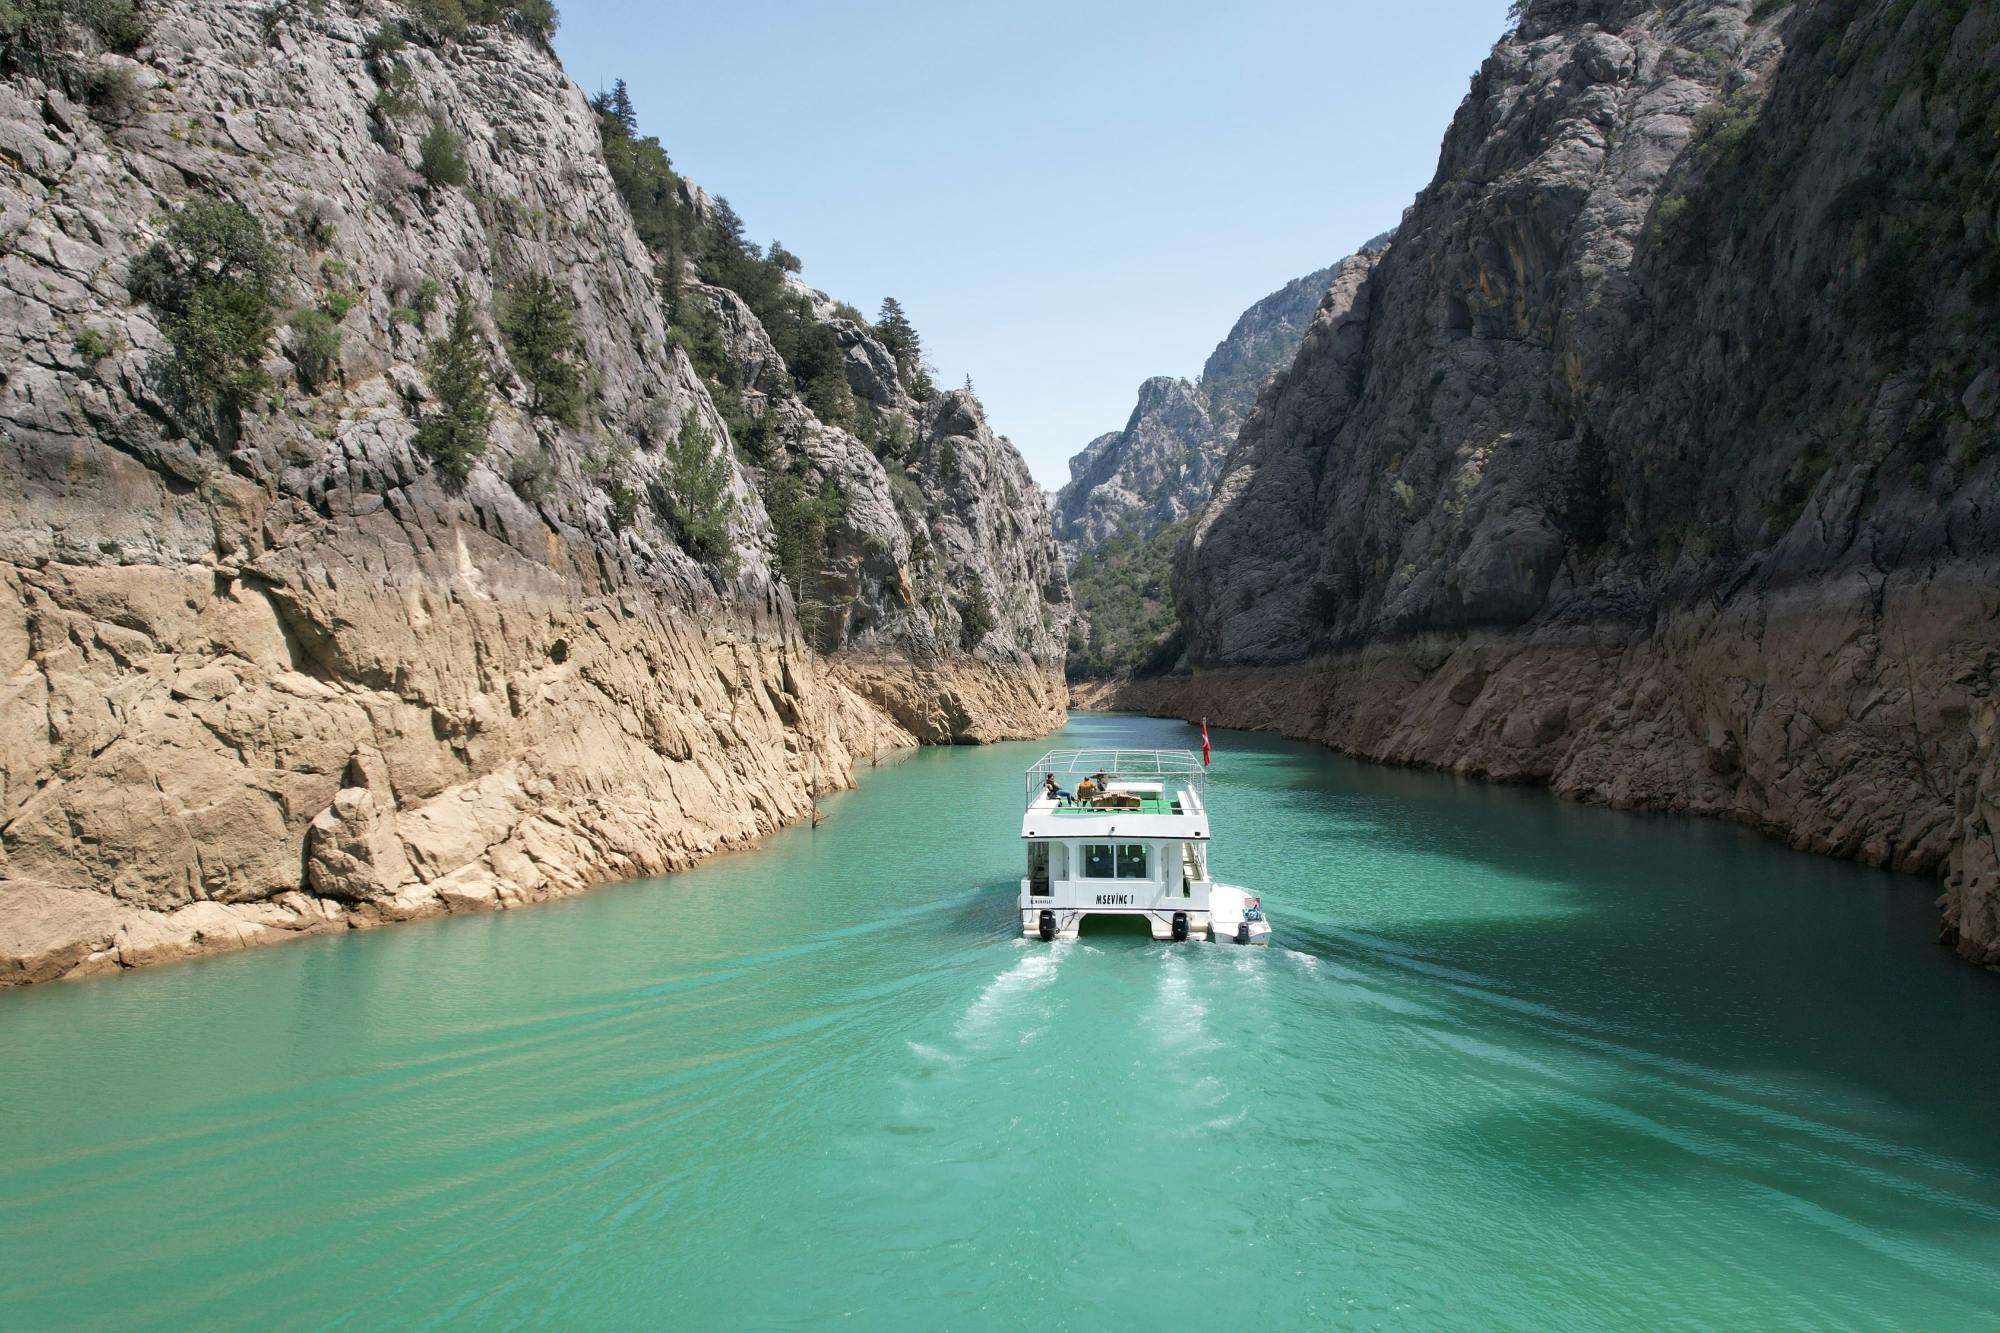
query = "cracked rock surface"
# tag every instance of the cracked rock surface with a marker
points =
(1162, 466)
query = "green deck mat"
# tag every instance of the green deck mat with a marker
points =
(1147, 806)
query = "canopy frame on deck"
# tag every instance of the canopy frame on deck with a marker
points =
(1181, 768)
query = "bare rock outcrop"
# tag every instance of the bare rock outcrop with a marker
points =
(1162, 466)
(1652, 460)
(1150, 475)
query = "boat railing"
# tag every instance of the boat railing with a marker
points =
(1172, 769)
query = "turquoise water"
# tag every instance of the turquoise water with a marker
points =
(1515, 1064)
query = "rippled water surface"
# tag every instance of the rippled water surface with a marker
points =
(1515, 1064)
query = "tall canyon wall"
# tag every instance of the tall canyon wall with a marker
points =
(266, 669)
(1655, 458)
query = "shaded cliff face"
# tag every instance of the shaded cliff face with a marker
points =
(1655, 457)
(269, 671)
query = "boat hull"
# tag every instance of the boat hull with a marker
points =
(1067, 923)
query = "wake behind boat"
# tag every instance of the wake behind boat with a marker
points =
(1124, 834)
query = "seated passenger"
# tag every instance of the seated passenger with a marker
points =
(1050, 789)
(1086, 789)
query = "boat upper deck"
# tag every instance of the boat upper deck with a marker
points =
(1100, 787)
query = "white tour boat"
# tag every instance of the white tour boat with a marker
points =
(1124, 833)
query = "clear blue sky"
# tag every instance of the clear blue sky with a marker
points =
(1066, 197)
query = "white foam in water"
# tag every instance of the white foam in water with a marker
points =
(1190, 1028)
(1035, 970)
(932, 1054)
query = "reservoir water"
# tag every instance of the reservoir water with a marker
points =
(1514, 1063)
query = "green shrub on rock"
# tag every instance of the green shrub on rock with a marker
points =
(315, 348)
(441, 157)
(804, 515)
(532, 475)
(396, 99)
(440, 20)
(315, 222)
(114, 93)
(386, 40)
(448, 20)
(214, 280)
(610, 466)
(975, 617)
(1889, 297)
(45, 36)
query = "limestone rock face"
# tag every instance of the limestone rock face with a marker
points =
(353, 853)
(276, 677)
(1150, 475)
(1262, 342)
(941, 544)
(1163, 465)
(1654, 457)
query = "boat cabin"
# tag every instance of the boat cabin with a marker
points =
(1116, 834)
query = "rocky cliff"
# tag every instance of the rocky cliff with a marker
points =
(1131, 492)
(1162, 466)
(1155, 472)
(1655, 458)
(908, 531)
(372, 546)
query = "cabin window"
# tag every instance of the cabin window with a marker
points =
(1132, 861)
(1097, 861)
(1038, 868)
(1192, 862)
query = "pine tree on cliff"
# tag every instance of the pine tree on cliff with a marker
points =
(460, 376)
(617, 111)
(538, 319)
(895, 332)
(728, 227)
(622, 111)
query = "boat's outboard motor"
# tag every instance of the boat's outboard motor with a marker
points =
(1048, 925)
(1242, 932)
(1180, 927)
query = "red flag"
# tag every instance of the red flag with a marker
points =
(1204, 742)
